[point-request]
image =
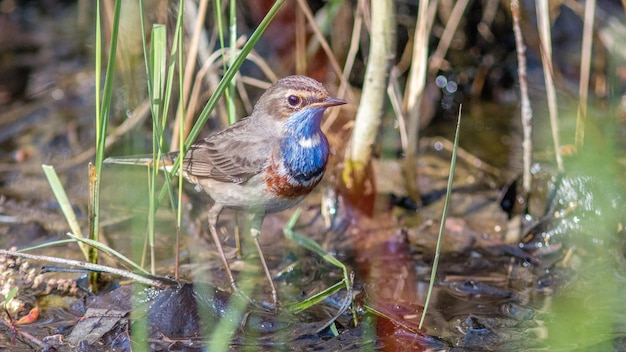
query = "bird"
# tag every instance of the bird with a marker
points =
(264, 163)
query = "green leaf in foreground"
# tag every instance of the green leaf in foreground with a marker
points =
(10, 296)
(444, 216)
(64, 203)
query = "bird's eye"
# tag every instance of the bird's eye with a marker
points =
(294, 100)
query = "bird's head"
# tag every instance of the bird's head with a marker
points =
(298, 102)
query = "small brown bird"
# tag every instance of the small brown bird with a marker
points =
(264, 163)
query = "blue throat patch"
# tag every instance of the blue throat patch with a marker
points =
(304, 164)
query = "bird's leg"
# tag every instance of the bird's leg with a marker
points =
(256, 221)
(214, 213)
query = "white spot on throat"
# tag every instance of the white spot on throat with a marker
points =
(310, 142)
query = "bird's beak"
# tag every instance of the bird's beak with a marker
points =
(328, 102)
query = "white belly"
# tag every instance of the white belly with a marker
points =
(251, 195)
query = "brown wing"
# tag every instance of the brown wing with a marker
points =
(233, 155)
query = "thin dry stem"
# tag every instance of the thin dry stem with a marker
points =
(190, 65)
(300, 43)
(25, 335)
(210, 65)
(351, 57)
(413, 97)
(263, 66)
(490, 10)
(585, 69)
(323, 42)
(395, 97)
(448, 33)
(545, 37)
(243, 95)
(371, 107)
(160, 283)
(526, 110)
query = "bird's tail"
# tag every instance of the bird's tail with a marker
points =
(165, 163)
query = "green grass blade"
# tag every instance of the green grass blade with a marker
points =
(9, 297)
(230, 103)
(156, 70)
(224, 82)
(172, 63)
(316, 248)
(317, 298)
(102, 118)
(103, 248)
(176, 49)
(47, 244)
(220, 35)
(181, 131)
(156, 76)
(232, 70)
(64, 203)
(444, 216)
(144, 45)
